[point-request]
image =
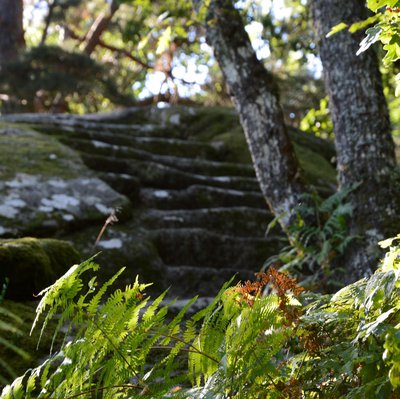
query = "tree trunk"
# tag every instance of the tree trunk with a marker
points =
(11, 30)
(99, 26)
(362, 131)
(255, 95)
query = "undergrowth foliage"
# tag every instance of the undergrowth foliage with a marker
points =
(10, 323)
(312, 247)
(263, 339)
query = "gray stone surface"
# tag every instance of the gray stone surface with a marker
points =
(191, 213)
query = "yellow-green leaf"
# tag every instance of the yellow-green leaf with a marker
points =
(164, 41)
(337, 28)
(376, 4)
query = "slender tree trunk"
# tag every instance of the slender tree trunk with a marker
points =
(99, 26)
(11, 30)
(362, 131)
(255, 95)
(49, 16)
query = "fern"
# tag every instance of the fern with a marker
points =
(312, 247)
(264, 339)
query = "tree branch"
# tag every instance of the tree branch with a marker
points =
(99, 26)
(124, 52)
(47, 22)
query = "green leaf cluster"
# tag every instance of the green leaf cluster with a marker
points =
(386, 22)
(318, 121)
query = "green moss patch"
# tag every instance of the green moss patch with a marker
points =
(208, 122)
(318, 171)
(26, 151)
(31, 264)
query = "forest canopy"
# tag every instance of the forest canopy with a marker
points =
(143, 52)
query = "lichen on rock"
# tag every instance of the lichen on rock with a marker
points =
(45, 187)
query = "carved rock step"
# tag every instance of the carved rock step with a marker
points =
(123, 184)
(155, 145)
(236, 221)
(187, 281)
(193, 165)
(57, 123)
(200, 196)
(201, 247)
(156, 175)
(123, 131)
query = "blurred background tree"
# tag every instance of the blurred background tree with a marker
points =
(84, 56)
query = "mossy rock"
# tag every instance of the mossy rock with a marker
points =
(123, 245)
(45, 187)
(317, 170)
(204, 123)
(31, 264)
(26, 151)
(237, 252)
(221, 127)
(233, 145)
(138, 254)
(243, 221)
(201, 196)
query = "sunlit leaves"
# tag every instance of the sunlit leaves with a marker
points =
(391, 356)
(386, 31)
(392, 50)
(374, 5)
(372, 36)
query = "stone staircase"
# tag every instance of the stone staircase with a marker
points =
(197, 217)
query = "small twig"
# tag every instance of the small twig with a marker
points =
(110, 220)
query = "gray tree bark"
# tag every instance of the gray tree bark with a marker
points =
(11, 30)
(256, 97)
(362, 131)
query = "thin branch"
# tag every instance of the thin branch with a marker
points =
(186, 350)
(47, 22)
(195, 350)
(99, 26)
(126, 53)
(71, 33)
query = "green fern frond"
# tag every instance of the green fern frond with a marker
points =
(59, 295)
(94, 303)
